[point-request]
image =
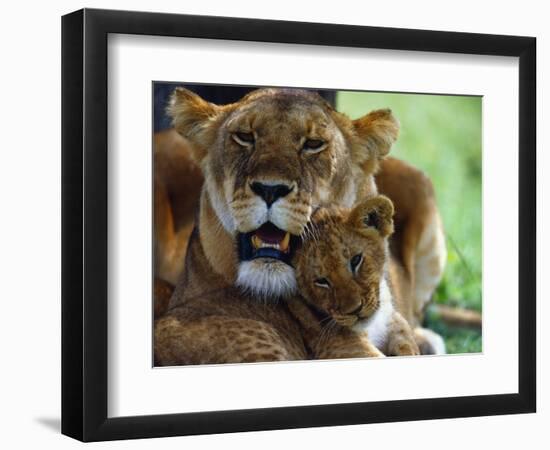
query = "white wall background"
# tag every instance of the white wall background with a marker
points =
(30, 226)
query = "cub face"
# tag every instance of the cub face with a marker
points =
(268, 161)
(342, 262)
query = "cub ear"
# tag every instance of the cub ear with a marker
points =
(375, 213)
(193, 118)
(377, 131)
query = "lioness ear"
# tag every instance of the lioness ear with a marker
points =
(193, 117)
(373, 213)
(376, 132)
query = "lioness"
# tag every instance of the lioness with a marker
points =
(354, 288)
(268, 161)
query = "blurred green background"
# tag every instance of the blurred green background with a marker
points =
(441, 134)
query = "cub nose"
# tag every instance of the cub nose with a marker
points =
(270, 192)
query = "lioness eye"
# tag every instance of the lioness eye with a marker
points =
(355, 262)
(314, 145)
(243, 138)
(322, 282)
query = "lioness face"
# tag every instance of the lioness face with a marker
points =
(269, 161)
(340, 270)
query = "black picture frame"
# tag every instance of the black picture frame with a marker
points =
(84, 224)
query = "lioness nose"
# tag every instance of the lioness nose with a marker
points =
(270, 193)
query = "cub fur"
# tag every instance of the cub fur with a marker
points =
(344, 273)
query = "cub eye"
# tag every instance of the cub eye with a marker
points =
(355, 262)
(243, 138)
(322, 282)
(314, 145)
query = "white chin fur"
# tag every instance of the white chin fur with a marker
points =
(266, 278)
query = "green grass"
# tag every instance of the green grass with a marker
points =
(442, 136)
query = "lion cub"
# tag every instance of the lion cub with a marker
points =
(346, 280)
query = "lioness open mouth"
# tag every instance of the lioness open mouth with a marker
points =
(268, 241)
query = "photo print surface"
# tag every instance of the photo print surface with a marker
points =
(297, 224)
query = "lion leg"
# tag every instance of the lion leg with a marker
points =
(401, 341)
(218, 340)
(177, 185)
(419, 239)
(429, 261)
(170, 242)
(429, 342)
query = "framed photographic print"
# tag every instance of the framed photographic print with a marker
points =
(274, 224)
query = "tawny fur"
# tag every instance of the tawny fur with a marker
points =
(418, 243)
(325, 341)
(354, 296)
(177, 185)
(163, 290)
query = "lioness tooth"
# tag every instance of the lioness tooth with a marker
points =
(285, 242)
(256, 241)
(267, 245)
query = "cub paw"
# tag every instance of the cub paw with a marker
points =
(406, 349)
